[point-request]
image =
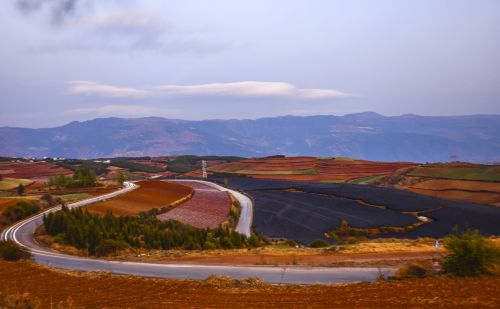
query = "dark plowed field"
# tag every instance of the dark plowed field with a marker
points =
(305, 211)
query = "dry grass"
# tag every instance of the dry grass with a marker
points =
(12, 183)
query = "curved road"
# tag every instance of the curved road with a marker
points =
(22, 234)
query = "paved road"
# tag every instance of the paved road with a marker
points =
(246, 217)
(22, 233)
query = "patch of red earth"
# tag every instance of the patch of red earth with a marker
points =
(29, 170)
(207, 208)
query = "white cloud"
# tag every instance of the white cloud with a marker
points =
(120, 110)
(96, 89)
(321, 94)
(245, 88)
(235, 89)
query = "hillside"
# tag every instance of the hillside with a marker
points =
(368, 136)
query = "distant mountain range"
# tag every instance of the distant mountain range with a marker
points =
(365, 135)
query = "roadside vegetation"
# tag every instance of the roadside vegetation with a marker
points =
(470, 254)
(25, 208)
(103, 235)
(9, 251)
(19, 211)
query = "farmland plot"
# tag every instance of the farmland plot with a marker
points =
(207, 208)
(305, 211)
(151, 194)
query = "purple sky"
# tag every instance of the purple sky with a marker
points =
(65, 60)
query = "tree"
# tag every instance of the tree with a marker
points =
(470, 254)
(319, 243)
(20, 189)
(120, 179)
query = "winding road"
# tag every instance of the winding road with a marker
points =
(22, 234)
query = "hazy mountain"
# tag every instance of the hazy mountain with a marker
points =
(365, 135)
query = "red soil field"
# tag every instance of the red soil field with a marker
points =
(51, 287)
(151, 194)
(311, 169)
(29, 170)
(207, 208)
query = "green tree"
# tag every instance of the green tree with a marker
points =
(120, 179)
(470, 254)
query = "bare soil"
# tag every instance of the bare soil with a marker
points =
(151, 194)
(49, 287)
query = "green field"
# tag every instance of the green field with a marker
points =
(12, 183)
(481, 173)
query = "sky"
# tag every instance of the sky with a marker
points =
(67, 60)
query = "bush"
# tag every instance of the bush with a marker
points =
(108, 247)
(21, 210)
(470, 254)
(319, 243)
(291, 243)
(9, 251)
(414, 270)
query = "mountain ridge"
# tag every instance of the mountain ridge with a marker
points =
(367, 135)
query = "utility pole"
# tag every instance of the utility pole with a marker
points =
(204, 169)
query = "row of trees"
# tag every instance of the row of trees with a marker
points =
(82, 178)
(101, 235)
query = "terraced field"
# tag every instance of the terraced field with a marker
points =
(151, 194)
(306, 211)
(207, 208)
(309, 168)
(458, 181)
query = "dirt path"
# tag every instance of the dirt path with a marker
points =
(354, 259)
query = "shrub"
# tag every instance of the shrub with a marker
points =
(108, 247)
(21, 210)
(319, 243)
(414, 270)
(9, 251)
(470, 254)
(291, 243)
